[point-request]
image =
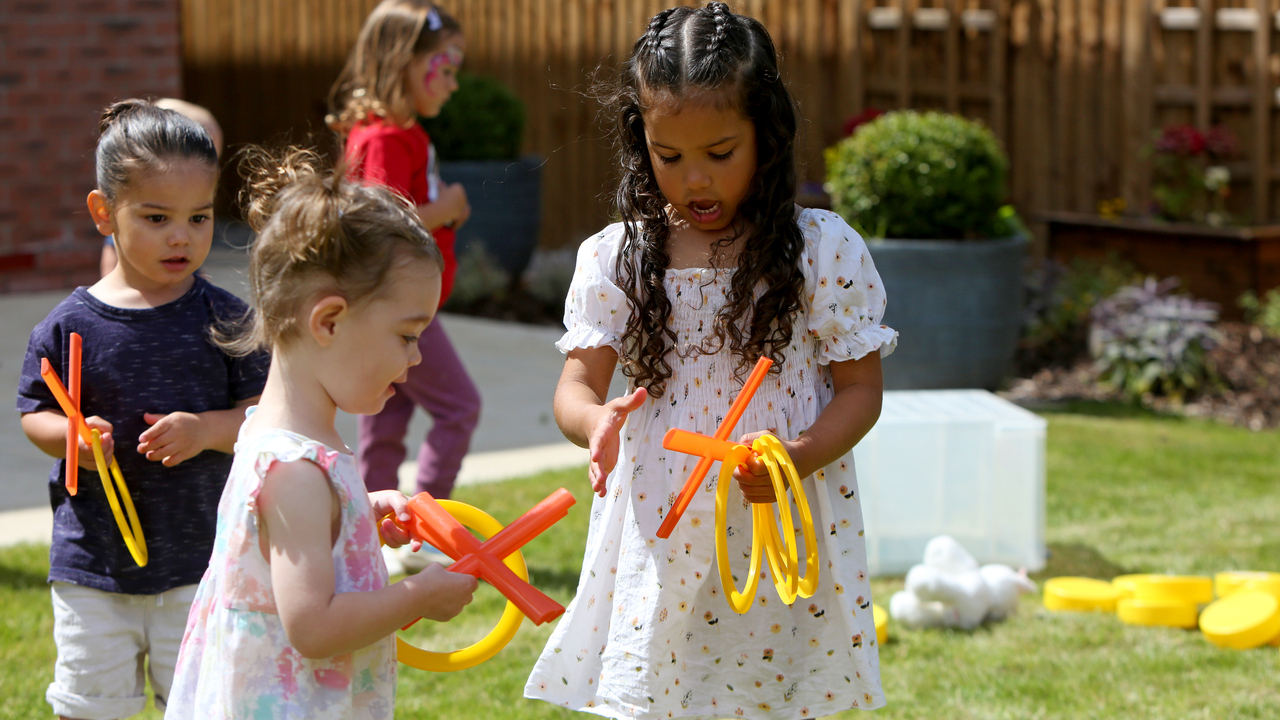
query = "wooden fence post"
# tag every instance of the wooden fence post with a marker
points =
(1136, 104)
(1263, 102)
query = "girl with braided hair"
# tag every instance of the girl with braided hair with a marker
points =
(711, 267)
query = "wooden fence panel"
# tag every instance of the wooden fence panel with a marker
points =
(1073, 89)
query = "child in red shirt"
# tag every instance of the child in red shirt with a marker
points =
(404, 64)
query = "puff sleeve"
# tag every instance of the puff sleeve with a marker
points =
(846, 297)
(595, 311)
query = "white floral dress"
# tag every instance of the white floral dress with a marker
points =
(649, 633)
(236, 661)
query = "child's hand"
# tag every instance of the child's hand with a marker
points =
(454, 197)
(444, 593)
(108, 444)
(171, 438)
(753, 476)
(388, 504)
(604, 442)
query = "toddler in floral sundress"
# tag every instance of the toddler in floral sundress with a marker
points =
(295, 617)
(711, 267)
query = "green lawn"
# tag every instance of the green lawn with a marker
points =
(1127, 492)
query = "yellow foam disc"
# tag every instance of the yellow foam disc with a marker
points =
(1078, 593)
(1177, 588)
(1229, 583)
(1125, 584)
(882, 623)
(1245, 620)
(1163, 613)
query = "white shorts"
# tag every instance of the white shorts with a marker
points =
(104, 641)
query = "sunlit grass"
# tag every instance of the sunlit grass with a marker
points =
(1127, 492)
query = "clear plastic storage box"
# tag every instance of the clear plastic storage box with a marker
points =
(964, 463)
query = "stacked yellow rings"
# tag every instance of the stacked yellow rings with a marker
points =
(508, 624)
(765, 535)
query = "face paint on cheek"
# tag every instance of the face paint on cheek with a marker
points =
(451, 56)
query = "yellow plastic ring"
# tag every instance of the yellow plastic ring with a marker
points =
(133, 538)
(785, 568)
(739, 601)
(488, 646)
(776, 458)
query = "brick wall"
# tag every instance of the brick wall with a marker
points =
(61, 63)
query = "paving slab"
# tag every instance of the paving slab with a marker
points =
(515, 366)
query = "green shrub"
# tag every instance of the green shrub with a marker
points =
(1263, 312)
(921, 175)
(484, 120)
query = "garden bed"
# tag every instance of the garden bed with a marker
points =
(1214, 263)
(1247, 394)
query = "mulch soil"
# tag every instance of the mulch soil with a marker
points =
(1246, 392)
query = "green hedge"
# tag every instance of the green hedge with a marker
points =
(921, 175)
(484, 120)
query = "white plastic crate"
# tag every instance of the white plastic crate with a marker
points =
(964, 463)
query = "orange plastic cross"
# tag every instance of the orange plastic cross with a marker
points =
(69, 400)
(749, 389)
(432, 523)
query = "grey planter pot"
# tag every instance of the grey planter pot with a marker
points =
(506, 202)
(957, 306)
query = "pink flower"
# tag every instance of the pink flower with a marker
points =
(1180, 140)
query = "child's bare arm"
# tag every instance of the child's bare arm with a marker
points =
(298, 514)
(859, 391)
(582, 413)
(450, 207)
(47, 430)
(180, 436)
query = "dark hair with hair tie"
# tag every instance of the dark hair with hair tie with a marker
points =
(708, 50)
(139, 137)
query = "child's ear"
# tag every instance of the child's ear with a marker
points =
(100, 211)
(325, 317)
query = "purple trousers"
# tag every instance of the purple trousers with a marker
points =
(439, 384)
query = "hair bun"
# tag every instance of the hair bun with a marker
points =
(267, 173)
(120, 109)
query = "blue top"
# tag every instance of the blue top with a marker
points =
(153, 360)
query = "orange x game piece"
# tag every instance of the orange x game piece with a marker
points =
(730, 420)
(433, 524)
(69, 401)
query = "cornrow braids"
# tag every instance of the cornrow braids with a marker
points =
(707, 51)
(720, 13)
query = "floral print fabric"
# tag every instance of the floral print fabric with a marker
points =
(649, 633)
(236, 661)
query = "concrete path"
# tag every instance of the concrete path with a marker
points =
(515, 366)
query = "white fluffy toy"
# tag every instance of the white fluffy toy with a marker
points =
(950, 590)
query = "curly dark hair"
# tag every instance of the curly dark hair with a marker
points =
(731, 58)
